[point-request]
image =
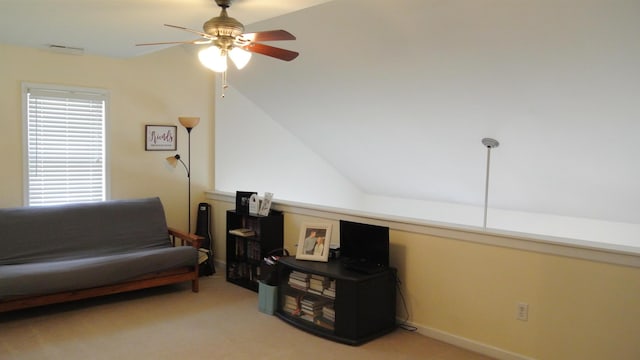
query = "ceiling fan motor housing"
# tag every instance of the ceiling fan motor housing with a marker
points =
(223, 25)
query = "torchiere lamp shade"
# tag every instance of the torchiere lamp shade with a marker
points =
(173, 160)
(189, 122)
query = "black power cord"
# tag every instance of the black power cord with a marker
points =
(403, 325)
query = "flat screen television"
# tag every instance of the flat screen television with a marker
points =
(364, 243)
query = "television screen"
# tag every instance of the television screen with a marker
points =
(364, 243)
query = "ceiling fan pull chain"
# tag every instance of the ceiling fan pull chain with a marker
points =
(225, 85)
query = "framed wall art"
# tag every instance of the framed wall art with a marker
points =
(314, 242)
(160, 138)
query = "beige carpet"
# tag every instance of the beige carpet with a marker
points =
(220, 322)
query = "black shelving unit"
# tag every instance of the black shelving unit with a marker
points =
(244, 253)
(355, 309)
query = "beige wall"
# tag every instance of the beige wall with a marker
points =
(152, 89)
(467, 292)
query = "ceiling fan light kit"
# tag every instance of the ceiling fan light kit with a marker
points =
(240, 57)
(227, 38)
(213, 58)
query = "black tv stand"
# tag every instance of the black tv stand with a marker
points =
(336, 303)
(363, 266)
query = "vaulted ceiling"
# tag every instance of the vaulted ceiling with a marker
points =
(398, 95)
(112, 28)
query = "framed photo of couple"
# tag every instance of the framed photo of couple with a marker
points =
(314, 242)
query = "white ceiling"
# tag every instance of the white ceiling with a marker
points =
(398, 95)
(113, 27)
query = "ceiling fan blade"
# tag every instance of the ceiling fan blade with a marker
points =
(272, 35)
(197, 42)
(278, 53)
(204, 35)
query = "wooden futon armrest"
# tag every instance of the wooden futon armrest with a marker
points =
(193, 239)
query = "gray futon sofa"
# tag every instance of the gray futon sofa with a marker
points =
(68, 252)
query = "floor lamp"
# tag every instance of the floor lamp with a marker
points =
(188, 123)
(489, 143)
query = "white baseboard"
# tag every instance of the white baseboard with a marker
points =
(467, 344)
(220, 266)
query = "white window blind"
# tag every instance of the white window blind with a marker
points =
(65, 143)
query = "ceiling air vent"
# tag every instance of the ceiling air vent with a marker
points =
(66, 49)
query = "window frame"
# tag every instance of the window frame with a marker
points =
(98, 93)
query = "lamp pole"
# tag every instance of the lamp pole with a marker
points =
(189, 177)
(489, 143)
(189, 123)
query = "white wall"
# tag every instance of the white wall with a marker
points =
(254, 153)
(574, 230)
(554, 81)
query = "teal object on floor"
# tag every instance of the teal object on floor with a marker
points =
(267, 298)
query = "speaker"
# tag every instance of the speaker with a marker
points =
(203, 228)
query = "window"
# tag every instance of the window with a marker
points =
(64, 141)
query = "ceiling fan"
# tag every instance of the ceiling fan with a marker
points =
(227, 38)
